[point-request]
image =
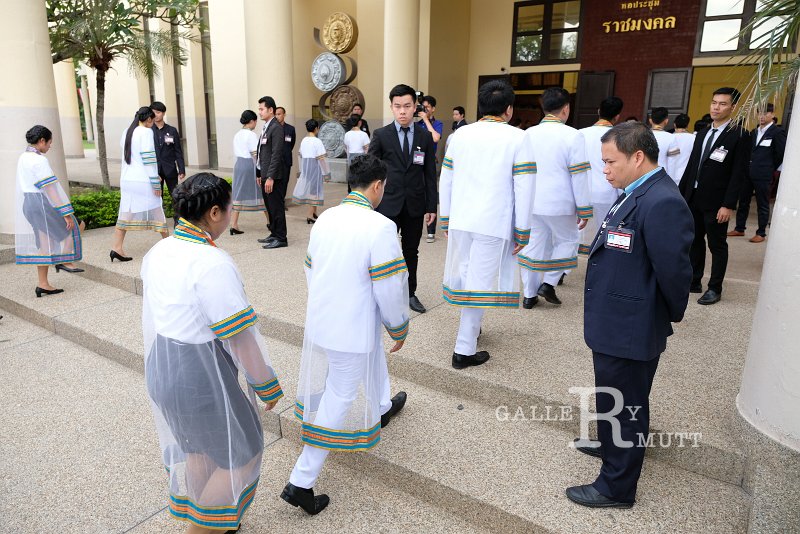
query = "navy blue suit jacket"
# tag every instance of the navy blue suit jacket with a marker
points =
(632, 299)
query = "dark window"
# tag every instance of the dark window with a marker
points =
(545, 31)
(720, 24)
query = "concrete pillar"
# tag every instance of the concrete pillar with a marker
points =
(126, 92)
(29, 96)
(164, 82)
(67, 93)
(369, 54)
(88, 110)
(194, 112)
(400, 47)
(769, 399)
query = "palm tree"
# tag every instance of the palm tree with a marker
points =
(98, 32)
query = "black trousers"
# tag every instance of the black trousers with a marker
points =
(172, 182)
(761, 188)
(705, 224)
(275, 203)
(622, 466)
(411, 232)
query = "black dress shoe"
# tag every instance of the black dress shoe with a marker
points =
(595, 450)
(709, 297)
(62, 267)
(549, 293)
(266, 239)
(561, 280)
(415, 304)
(461, 362)
(305, 499)
(696, 288)
(398, 401)
(529, 302)
(588, 496)
(276, 243)
(236, 231)
(40, 291)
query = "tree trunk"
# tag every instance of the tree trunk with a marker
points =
(101, 130)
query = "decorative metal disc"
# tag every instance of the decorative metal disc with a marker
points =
(340, 33)
(327, 71)
(332, 136)
(343, 99)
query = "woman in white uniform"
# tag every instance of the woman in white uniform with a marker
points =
(140, 206)
(199, 333)
(355, 141)
(314, 171)
(247, 195)
(46, 229)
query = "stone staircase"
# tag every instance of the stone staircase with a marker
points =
(450, 461)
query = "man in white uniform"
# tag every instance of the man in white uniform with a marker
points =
(667, 147)
(484, 202)
(684, 140)
(357, 286)
(561, 195)
(603, 194)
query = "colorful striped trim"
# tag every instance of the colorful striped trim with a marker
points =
(237, 206)
(584, 249)
(307, 201)
(526, 167)
(444, 222)
(399, 333)
(357, 199)
(186, 231)
(234, 324)
(268, 391)
(65, 210)
(216, 517)
(491, 118)
(447, 163)
(674, 152)
(338, 440)
(603, 122)
(585, 212)
(307, 261)
(76, 255)
(321, 157)
(580, 167)
(131, 226)
(149, 157)
(385, 270)
(522, 237)
(45, 181)
(550, 118)
(481, 299)
(560, 264)
(155, 183)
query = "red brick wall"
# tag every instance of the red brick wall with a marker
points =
(631, 55)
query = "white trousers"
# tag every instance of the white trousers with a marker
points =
(479, 269)
(552, 251)
(591, 228)
(346, 373)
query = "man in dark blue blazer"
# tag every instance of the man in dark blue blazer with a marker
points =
(637, 285)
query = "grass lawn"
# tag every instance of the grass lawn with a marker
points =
(88, 144)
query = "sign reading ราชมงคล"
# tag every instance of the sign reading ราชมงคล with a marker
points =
(630, 24)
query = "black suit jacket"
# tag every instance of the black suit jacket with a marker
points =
(169, 152)
(409, 184)
(365, 126)
(270, 152)
(288, 146)
(632, 299)
(718, 182)
(767, 154)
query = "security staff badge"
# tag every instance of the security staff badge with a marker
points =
(168, 139)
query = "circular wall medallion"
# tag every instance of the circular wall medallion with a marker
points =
(327, 71)
(332, 136)
(340, 33)
(342, 101)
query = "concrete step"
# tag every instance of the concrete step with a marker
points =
(93, 450)
(510, 476)
(537, 354)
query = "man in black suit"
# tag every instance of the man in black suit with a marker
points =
(289, 138)
(458, 118)
(269, 172)
(358, 110)
(637, 285)
(410, 198)
(711, 184)
(769, 144)
(169, 153)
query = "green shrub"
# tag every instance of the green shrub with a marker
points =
(99, 209)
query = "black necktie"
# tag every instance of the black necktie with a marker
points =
(707, 149)
(405, 141)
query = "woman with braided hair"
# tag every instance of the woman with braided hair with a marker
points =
(140, 206)
(199, 333)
